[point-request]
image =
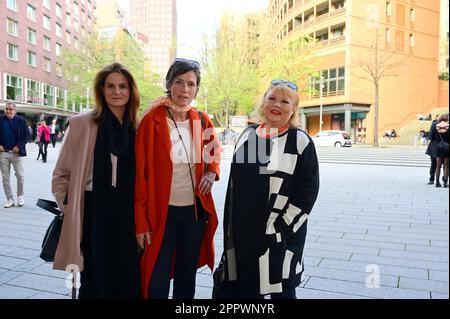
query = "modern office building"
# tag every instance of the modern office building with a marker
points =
(157, 20)
(406, 35)
(32, 37)
(113, 24)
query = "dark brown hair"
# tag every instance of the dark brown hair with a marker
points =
(178, 68)
(134, 102)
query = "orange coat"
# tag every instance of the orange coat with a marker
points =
(153, 184)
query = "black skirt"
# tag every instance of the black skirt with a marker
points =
(111, 260)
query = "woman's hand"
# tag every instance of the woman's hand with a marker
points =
(207, 182)
(141, 238)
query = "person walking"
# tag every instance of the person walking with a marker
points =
(94, 174)
(442, 155)
(177, 163)
(272, 188)
(13, 138)
(54, 132)
(432, 149)
(43, 140)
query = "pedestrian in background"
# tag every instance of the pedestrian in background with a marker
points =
(43, 140)
(175, 214)
(432, 149)
(273, 185)
(95, 174)
(13, 137)
(442, 155)
(54, 132)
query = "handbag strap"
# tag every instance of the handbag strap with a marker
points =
(185, 149)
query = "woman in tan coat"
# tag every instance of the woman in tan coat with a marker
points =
(93, 184)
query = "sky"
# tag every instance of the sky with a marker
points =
(197, 18)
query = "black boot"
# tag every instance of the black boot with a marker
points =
(431, 180)
(445, 182)
(438, 184)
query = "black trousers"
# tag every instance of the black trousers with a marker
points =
(184, 235)
(432, 168)
(43, 150)
(247, 286)
(53, 138)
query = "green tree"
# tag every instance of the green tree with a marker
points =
(292, 61)
(81, 66)
(230, 77)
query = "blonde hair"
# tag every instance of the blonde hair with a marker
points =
(294, 121)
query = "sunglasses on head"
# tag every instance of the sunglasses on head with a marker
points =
(289, 84)
(191, 63)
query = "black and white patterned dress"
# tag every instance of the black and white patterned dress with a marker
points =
(272, 188)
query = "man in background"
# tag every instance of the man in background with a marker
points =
(13, 137)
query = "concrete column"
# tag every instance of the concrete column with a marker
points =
(348, 120)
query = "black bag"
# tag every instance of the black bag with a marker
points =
(51, 238)
(442, 147)
(223, 288)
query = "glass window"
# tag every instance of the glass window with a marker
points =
(13, 52)
(411, 40)
(46, 44)
(341, 72)
(332, 86)
(12, 5)
(58, 30)
(58, 49)
(31, 13)
(333, 73)
(31, 58)
(58, 10)
(412, 15)
(341, 84)
(388, 8)
(13, 88)
(59, 71)
(48, 95)
(60, 98)
(31, 36)
(68, 20)
(12, 27)
(33, 92)
(46, 3)
(68, 37)
(47, 65)
(46, 22)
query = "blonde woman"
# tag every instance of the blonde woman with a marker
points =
(274, 182)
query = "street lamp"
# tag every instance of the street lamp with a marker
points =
(321, 103)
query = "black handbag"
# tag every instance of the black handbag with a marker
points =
(51, 238)
(442, 146)
(223, 288)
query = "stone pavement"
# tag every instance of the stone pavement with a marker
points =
(376, 231)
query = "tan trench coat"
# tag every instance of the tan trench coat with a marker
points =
(69, 177)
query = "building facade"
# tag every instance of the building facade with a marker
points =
(112, 24)
(157, 20)
(401, 35)
(32, 37)
(443, 37)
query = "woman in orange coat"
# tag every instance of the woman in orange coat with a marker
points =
(177, 162)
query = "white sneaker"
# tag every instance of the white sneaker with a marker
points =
(20, 201)
(9, 203)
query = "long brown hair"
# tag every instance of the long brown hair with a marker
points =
(134, 102)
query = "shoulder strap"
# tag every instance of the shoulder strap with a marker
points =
(202, 119)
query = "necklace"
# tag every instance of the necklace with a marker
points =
(262, 131)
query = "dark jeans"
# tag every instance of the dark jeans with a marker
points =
(43, 151)
(432, 168)
(53, 138)
(247, 286)
(184, 235)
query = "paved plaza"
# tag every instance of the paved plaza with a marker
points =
(377, 230)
